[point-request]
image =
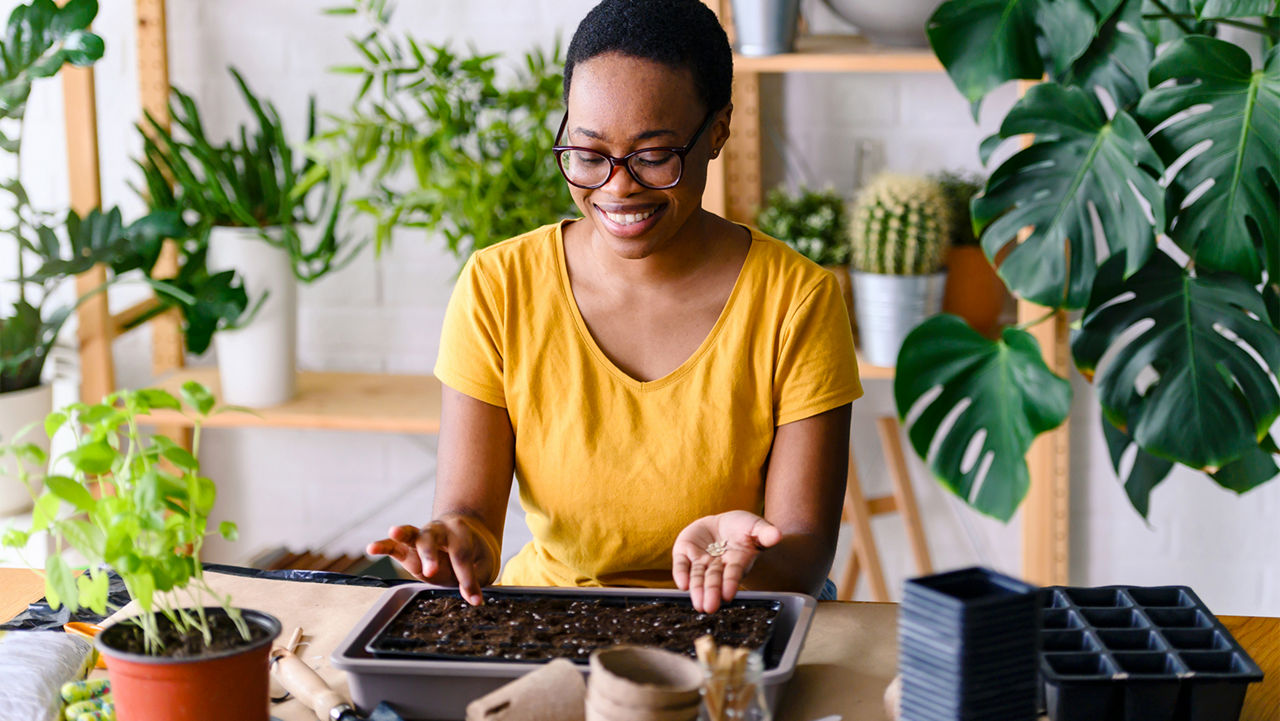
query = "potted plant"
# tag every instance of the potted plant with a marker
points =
(252, 218)
(47, 250)
(815, 224)
(899, 234)
(765, 27)
(1147, 127)
(443, 146)
(138, 505)
(974, 291)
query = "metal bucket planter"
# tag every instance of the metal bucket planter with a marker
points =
(18, 409)
(888, 307)
(765, 27)
(257, 364)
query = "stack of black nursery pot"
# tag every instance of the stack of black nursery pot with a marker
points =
(968, 644)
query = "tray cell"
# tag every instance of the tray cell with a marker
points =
(1057, 641)
(1148, 664)
(1130, 640)
(1113, 618)
(1196, 639)
(1098, 597)
(1160, 597)
(1179, 618)
(1060, 618)
(1214, 662)
(1080, 664)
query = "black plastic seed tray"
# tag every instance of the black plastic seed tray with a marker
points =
(543, 635)
(1128, 653)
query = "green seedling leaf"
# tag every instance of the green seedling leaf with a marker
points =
(156, 398)
(44, 512)
(54, 422)
(31, 453)
(71, 492)
(198, 397)
(93, 589)
(228, 530)
(15, 538)
(94, 459)
(60, 584)
(85, 537)
(142, 588)
(181, 459)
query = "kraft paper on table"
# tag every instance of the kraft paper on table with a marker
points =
(848, 659)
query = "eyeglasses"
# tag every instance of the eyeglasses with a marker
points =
(654, 168)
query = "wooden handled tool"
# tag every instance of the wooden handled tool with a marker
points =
(306, 685)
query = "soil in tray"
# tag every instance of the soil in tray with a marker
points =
(536, 628)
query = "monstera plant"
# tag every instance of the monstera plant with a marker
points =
(1146, 197)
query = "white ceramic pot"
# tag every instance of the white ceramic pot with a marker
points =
(257, 364)
(18, 409)
(900, 22)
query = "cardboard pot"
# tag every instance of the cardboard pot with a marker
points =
(230, 684)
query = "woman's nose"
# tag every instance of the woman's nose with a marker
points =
(620, 182)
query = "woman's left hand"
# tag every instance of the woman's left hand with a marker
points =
(711, 578)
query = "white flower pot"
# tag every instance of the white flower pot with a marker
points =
(19, 409)
(257, 364)
(899, 23)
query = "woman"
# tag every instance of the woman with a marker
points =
(672, 390)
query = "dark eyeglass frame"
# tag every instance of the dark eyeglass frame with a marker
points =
(625, 161)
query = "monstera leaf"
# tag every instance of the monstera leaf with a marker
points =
(1235, 110)
(1142, 475)
(981, 402)
(1234, 8)
(1080, 164)
(983, 43)
(1118, 59)
(103, 238)
(1188, 357)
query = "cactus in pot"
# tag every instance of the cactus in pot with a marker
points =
(899, 237)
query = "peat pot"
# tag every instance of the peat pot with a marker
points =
(219, 686)
(18, 409)
(889, 307)
(257, 364)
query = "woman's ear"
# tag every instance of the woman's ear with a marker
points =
(720, 130)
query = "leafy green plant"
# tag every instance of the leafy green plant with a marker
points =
(133, 503)
(901, 226)
(811, 221)
(959, 188)
(445, 147)
(1147, 127)
(250, 181)
(40, 39)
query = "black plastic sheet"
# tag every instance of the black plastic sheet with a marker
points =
(40, 617)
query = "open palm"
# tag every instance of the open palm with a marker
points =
(711, 579)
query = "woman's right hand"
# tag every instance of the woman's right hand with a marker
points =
(453, 550)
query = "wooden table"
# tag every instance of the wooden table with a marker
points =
(843, 669)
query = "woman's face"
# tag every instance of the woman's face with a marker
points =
(619, 104)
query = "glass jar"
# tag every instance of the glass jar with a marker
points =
(734, 692)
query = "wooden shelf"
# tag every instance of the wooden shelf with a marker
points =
(332, 401)
(841, 54)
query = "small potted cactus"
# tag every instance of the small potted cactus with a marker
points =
(974, 291)
(899, 235)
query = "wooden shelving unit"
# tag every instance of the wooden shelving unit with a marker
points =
(734, 189)
(373, 402)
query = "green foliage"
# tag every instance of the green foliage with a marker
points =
(132, 503)
(444, 145)
(40, 39)
(250, 181)
(901, 226)
(959, 189)
(812, 222)
(996, 397)
(1184, 145)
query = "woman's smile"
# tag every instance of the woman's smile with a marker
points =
(629, 221)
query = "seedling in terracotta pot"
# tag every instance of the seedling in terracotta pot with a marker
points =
(138, 504)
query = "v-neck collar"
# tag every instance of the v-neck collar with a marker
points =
(589, 340)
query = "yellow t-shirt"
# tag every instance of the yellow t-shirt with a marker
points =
(611, 469)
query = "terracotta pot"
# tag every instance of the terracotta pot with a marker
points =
(974, 291)
(225, 685)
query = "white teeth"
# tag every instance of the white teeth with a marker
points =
(628, 218)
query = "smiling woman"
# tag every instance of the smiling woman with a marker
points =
(671, 390)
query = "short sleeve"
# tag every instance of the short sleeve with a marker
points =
(817, 369)
(471, 342)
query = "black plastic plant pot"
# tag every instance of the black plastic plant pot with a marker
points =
(1125, 653)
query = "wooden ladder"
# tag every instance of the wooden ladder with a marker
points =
(859, 510)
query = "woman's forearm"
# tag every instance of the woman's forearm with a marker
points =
(798, 563)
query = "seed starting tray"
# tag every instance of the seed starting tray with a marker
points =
(557, 631)
(1125, 653)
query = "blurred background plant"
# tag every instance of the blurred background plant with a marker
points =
(959, 188)
(442, 144)
(813, 222)
(901, 226)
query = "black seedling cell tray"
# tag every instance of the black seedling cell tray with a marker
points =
(566, 626)
(1124, 653)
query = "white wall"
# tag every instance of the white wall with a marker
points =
(302, 488)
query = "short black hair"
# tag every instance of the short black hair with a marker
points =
(676, 33)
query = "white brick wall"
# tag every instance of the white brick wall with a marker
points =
(298, 487)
